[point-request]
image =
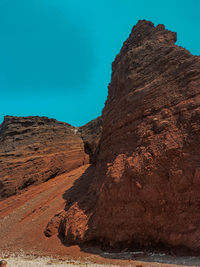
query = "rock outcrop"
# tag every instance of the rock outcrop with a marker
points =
(91, 134)
(36, 149)
(144, 188)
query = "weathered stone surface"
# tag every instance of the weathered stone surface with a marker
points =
(91, 134)
(36, 149)
(145, 185)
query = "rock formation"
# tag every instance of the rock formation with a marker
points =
(144, 188)
(3, 263)
(91, 134)
(36, 149)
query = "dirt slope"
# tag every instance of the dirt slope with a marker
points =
(23, 219)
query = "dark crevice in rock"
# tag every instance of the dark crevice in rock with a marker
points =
(91, 134)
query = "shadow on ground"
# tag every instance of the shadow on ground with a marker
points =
(81, 193)
(146, 257)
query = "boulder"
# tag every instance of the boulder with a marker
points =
(144, 188)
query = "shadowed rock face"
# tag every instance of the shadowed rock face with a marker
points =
(145, 184)
(36, 149)
(91, 134)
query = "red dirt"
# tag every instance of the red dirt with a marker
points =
(23, 219)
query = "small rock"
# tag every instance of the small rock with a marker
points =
(3, 263)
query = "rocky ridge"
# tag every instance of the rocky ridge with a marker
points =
(36, 149)
(143, 189)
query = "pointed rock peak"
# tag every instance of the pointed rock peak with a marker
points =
(145, 30)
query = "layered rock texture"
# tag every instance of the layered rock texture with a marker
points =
(91, 134)
(36, 149)
(144, 188)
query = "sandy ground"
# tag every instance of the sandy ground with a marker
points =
(20, 261)
(39, 262)
(24, 217)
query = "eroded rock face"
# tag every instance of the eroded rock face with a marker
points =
(145, 185)
(91, 134)
(36, 149)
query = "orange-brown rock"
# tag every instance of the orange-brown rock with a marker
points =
(3, 263)
(36, 149)
(144, 188)
(91, 134)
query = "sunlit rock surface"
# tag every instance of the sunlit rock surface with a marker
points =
(144, 187)
(36, 149)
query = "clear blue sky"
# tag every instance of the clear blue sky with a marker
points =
(56, 55)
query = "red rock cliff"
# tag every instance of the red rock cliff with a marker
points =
(36, 149)
(144, 188)
(91, 134)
